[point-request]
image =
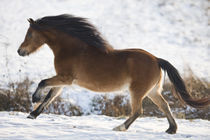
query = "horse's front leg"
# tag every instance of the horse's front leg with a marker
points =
(53, 93)
(57, 84)
(56, 81)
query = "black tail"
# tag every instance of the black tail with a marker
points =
(180, 87)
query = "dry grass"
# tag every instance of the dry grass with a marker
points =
(16, 97)
(61, 107)
(118, 106)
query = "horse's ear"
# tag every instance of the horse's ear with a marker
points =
(31, 21)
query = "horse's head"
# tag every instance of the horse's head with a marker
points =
(33, 40)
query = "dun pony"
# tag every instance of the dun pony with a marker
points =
(83, 57)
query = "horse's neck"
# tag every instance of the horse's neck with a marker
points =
(60, 42)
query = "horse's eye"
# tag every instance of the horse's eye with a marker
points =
(29, 35)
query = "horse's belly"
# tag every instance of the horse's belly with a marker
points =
(101, 86)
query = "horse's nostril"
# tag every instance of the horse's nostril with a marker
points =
(18, 51)
(21, 52)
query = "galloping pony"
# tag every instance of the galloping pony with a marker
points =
(83, 57)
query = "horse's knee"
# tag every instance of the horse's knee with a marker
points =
(36, 98)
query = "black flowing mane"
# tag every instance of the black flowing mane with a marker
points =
(75, 26)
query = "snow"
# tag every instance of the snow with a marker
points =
(15, 125)
(177, 31)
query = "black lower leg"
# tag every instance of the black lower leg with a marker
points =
(41, 107)
(129, 121)
(172, 126)
(36, 112)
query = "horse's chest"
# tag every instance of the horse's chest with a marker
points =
(63, 66)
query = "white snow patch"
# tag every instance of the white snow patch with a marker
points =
(15, 125)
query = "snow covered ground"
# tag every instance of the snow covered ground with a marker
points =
(15, 125)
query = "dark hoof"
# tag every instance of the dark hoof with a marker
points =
(31, 116)
(36, 99)
(171, 130)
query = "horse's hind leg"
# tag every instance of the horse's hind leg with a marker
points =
(157, 98)
(53, 93)
(136, 106)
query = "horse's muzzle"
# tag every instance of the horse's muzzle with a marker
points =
(22, 52)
